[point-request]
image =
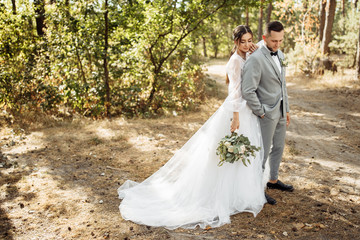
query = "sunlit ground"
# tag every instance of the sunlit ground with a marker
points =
(60, 179)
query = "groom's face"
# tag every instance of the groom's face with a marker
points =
(273, 40)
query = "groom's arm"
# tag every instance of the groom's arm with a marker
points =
(286, 94)
(250, 81)
(287, 100)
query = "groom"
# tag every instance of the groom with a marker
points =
(264, 89)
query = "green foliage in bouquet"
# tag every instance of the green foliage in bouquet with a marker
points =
(233, 148)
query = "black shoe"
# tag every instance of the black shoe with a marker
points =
(281, 186)
(270, 200)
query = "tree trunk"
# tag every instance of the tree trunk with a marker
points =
(39, 6)
(358, 56)
(13, 6)
(204, 46)
(106, 71)
(355, 4)
(330, 14)
(343, 8)
(322, 19)
(247, 16)
(260, 25)
(269, 11)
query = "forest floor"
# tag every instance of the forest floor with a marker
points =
(58, 180)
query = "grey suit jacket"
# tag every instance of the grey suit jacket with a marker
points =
(263, 86)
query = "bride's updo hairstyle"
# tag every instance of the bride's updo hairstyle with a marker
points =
(238, 32)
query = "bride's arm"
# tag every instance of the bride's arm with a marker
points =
(233, 101)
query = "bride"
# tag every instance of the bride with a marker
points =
(191, 189)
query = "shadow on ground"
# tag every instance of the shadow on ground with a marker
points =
(65, 183)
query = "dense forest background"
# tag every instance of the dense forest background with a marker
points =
(144, 58)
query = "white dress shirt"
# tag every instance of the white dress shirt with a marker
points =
(275, 58)
(277, 62)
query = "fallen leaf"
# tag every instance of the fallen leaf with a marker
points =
(298, 226)
(308, 227)
(320, 225)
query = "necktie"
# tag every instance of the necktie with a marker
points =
(273, 53)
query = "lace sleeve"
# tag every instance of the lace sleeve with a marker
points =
(233, 71)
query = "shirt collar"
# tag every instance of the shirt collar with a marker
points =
(268, 50)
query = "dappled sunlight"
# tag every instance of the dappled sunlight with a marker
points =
(330, 165)
(119, 122)
(33, 141)
(354, 114)
(104, 133)
(54, 200)
(309, 138)
(72, 70)
(149, 143)
(217, 70)
(66, 178)
(327, 81)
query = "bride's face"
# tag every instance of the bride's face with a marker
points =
(245, 43)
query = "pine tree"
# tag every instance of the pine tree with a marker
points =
(330, 15)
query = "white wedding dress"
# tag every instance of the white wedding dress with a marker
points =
(191, 189)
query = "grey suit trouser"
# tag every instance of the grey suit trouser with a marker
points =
(273, 133)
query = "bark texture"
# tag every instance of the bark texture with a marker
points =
(322, 19)
(330, 15)
(269, 11)
(358, 56)
(39, 6)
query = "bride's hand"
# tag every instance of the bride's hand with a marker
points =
(235, 124)
(253, 48)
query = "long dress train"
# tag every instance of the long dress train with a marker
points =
(191, 189)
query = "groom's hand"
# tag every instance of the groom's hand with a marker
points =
(287, 119)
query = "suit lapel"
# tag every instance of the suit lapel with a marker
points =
(270, 59)
(281, 56)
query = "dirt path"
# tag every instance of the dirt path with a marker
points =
(60, 181)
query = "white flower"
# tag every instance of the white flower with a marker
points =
(242, 149)
(227, 144)
(231, 149)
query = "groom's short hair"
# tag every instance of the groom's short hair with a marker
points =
(273, 26)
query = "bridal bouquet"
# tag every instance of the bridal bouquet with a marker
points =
(233, 148)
